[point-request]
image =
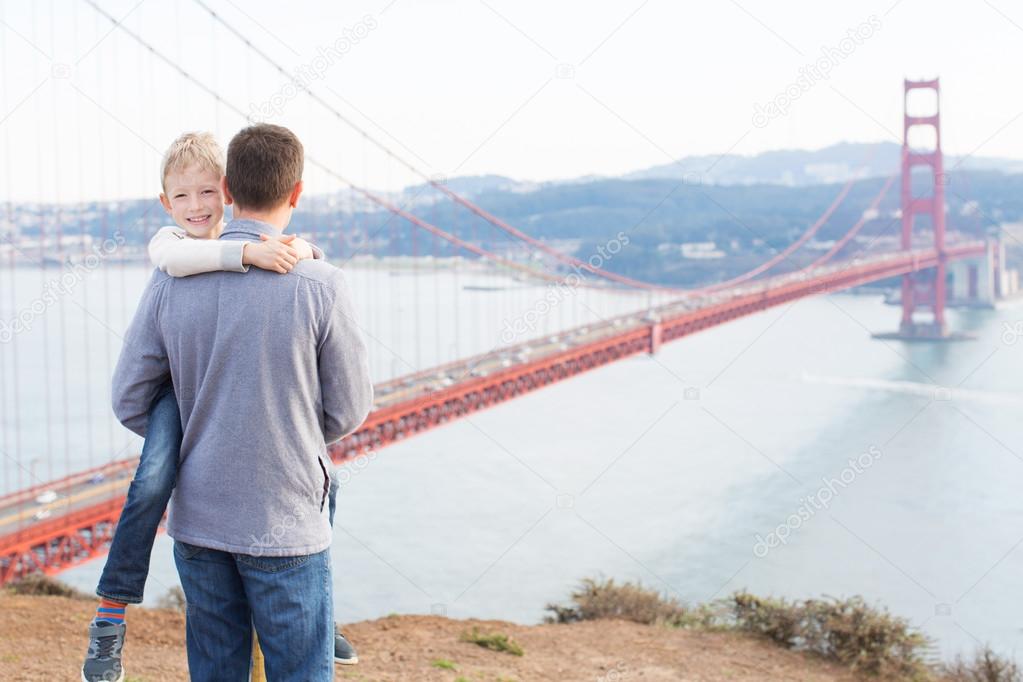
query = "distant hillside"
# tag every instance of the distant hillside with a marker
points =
(798, 167)
(787, 167)
(748, 207)
(748, 223)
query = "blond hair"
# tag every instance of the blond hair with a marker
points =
(191, 149)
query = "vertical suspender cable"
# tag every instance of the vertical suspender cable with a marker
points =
(417, 330)
(457, 291)
(393, 278)
(62, 305)
(435, 276)
(47, 397)
(104, 235)
(86, 354)
(177, 60)
(120, 200)
(372, 309)
(9, 236)
(215, 69)
(16, 382)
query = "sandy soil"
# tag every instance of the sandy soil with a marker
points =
(44, 638)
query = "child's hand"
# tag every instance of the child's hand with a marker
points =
(304, 250)
(277, 255)
(301, 246)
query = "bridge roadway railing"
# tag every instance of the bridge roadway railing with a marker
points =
(104, 471)
(58, 543)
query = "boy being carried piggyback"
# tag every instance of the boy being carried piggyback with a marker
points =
(191, 174)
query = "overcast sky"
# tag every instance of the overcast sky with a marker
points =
(533, 90)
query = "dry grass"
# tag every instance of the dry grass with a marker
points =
(848, 632)
(743, 637)
(600, 599)
(986, 666)
(43, 586)
(861, 638)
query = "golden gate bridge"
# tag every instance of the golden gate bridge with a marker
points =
(51, 525)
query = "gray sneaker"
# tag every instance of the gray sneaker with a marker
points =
(344, 652)
(103, 662)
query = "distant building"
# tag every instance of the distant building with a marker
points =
(693, 250)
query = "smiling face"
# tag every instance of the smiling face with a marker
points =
(192, 197)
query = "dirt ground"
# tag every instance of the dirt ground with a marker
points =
(44, 638)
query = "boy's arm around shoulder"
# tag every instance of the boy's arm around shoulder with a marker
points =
(343, 365)
(142, 368)
(174, 252)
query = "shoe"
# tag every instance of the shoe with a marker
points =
(344, 652)
(103, 662)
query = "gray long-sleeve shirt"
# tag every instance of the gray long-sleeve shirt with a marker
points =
(267, 370)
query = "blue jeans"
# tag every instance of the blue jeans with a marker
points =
(289, 601)
(124, 575)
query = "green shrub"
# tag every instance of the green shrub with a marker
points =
(443, 664)
(494, 642)
(596, 599)
(848, 632)
(41, 585)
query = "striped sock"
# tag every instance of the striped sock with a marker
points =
(110, 611)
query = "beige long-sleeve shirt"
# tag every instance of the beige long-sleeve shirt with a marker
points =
(174, 251)
(177, 253)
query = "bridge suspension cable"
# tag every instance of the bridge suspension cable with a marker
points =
(433, 229)
(788, 250)
(505, 226)
(854, 230)
(466, 203)
(371, 196)
(432, 181)
(482, 213)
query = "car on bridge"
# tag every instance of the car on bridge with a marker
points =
(46, 497)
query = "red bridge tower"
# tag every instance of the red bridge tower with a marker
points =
(925, 289)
